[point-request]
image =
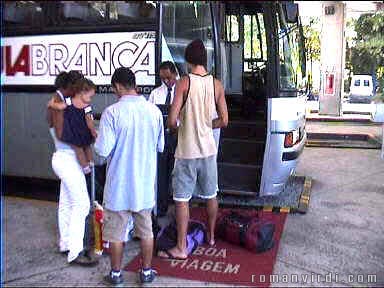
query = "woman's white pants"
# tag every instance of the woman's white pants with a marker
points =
(73, 203)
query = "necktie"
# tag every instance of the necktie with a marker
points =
(168, 100)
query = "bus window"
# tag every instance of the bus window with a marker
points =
(232, 28)
(22, 13)
(184, 22)
(291, 74)
(255, 46)
(78, 12)
(132, 11)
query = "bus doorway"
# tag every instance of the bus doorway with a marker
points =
(254, 49)
(244, 46)
(263, 71)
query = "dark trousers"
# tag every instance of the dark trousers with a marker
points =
(165, 165)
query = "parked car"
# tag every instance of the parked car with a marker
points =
(361, 90)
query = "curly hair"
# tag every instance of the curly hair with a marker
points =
(83, 85)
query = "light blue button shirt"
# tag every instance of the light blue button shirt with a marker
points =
(130, 134)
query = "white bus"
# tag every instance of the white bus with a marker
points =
(255, 48)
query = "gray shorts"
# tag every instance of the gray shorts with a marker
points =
(194, 177)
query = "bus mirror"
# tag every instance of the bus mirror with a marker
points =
(291, 12)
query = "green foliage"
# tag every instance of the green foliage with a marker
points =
(367, 56)
(312, 44)
(312, 40)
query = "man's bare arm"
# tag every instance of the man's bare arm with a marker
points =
(221, 106)
(180, 91)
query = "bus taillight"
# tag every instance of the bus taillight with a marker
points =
(291, 138)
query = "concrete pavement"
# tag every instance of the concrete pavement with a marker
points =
(340, 236)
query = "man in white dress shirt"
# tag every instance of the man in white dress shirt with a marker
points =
(163, 96)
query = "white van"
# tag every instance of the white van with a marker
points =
(361, 90)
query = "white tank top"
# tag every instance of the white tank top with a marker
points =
(59, 145)
(195, 135)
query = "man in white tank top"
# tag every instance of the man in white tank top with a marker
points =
(197, 98)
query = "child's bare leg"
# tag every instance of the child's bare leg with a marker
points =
(82, 158)
(88, 153)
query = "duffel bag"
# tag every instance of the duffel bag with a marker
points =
(259, 235)
(167, 236)
(250, 232)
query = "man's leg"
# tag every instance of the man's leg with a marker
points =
(146, 252)
(116, 255)
(207, 181)
(183, 183)
(182, 219)
(212, 207)
(114, 228)
(143, 230)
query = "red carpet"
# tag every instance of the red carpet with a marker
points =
(224, 263)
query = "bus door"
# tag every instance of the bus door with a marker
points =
(233, 49)
(242, 144)
(246, 57)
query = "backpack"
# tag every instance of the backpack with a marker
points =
(167, 236)
(249, 232)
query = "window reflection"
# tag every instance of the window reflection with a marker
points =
(132, 11)
(82, 11)
(28, 13)
(184, 22)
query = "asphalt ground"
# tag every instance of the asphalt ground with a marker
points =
(340, 238)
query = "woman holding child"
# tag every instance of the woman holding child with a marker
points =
(72, 131)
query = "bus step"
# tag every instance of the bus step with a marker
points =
(240, 151)
(234, 111)
(245, 130)
(238, 192)
(239, 177)
(257, 116)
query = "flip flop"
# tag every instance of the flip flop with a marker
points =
(170, 256)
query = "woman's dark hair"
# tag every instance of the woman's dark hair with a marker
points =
(62, 80)
(74, 75)
(124, 76)
(83, 85)
(168, 65)
(195, 53)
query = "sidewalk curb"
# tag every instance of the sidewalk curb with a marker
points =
(315, 139)
(334, 119)
(302, 206)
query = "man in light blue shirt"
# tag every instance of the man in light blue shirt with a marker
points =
(130, 135)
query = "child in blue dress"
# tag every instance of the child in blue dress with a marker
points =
(78, 127)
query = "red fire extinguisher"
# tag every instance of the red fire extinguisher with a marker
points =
(329, 83)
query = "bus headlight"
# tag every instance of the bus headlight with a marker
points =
(291, 138)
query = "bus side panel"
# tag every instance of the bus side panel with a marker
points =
(26, 136)
(284, 115)
(28, 146)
